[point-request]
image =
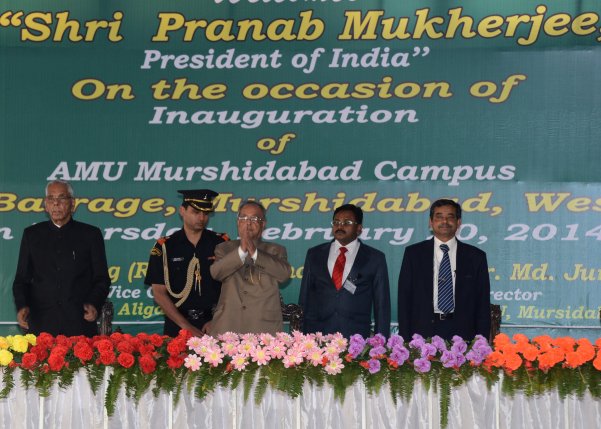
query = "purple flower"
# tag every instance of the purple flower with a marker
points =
(422, 365)
(374, 366)
(451, 359)
(459, 346)
(439, 343)
(417, 341)
(480, 350)
(358, 340)
(377, 340)
(395, 340)
(355, 350)
(402, 351)
(377, 351)
(427, 350)
(399, 355)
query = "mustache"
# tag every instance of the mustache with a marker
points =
(340, 230)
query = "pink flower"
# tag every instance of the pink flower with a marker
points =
(260, 356)
(334, 366)
(266, 339)
(193, 362)
(213, 356)
(195, 344)
(239, 362)
(278, 350)
(315, 357)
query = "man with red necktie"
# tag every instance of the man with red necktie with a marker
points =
(344, 280)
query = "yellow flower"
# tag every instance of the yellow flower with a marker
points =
(31, 339)
(20, 344)
(6, 357)
(3, 343)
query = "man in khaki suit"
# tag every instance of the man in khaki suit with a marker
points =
(251, 272)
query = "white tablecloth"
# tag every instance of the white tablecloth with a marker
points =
(472, 405)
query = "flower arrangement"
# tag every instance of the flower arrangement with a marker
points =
(286, 361)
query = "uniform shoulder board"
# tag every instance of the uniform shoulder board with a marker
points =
(157, 248)
(224, 236)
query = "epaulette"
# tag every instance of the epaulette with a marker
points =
(223, 235)
(156, 249)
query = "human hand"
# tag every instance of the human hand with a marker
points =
(23, 317)
(90, 313)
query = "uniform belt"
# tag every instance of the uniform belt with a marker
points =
(441, 316)
(195, 314)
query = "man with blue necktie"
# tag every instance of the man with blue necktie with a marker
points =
(444, 287)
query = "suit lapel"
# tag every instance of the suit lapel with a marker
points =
(359, 262)
(428, 266)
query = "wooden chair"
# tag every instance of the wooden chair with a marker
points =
(105, 320)
(292, 313)
(495, 321)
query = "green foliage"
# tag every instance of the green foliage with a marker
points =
(444, 389)
(248, 379)
(112, 390)
(95, 375)
(65, 378)
(8, 381)
(261, 387)
(401, 382)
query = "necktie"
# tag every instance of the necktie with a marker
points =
(445, 282)
(339, 268)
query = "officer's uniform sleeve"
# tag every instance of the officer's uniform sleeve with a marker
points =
(155, 274)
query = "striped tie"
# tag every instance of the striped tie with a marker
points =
(445, 282)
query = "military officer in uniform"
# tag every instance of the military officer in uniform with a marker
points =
(178, 269)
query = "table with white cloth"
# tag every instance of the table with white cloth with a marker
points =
(472, 406)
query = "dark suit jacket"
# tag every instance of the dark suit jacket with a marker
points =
(472, 294)
(60, 270)
(328, 310)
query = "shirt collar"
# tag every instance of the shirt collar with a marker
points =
(351, 247)
(452, 243)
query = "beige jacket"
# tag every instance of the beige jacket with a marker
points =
(250, 293)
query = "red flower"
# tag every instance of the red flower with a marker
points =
(147, 364)
(64, 341)
(176, 346)
(364, 364)
(126, 360)
(56, 360)
(107, 357)
(125, 347)
(45, 340)
(175, 362)
(116, 337)
(104, 345)
(348, 358)
(29, 360)
(83, 351)
(40, 352)
(146, 349)
(392, 363)
(156, 340)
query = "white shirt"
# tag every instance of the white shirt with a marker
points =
(438, 254)
(351, 254)
(244, 254)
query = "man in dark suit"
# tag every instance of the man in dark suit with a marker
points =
(62, 278)
(343, 280)
(444, 287)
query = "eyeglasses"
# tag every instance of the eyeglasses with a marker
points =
(251, 219)
(344, 222)
(58, 200)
